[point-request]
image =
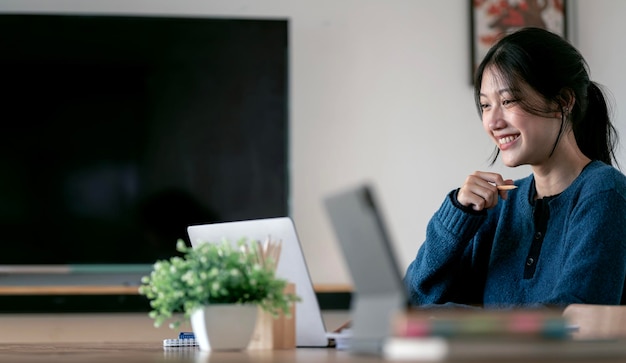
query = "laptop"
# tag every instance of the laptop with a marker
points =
(378, 288)
(310, 327)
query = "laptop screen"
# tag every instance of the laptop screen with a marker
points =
(379, 289)
(364, 240)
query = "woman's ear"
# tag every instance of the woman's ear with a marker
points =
(566, 100)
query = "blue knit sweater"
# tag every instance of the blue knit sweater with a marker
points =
(509, 257)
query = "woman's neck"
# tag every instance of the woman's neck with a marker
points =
(558, 172)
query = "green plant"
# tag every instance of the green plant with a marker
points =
(214, 273)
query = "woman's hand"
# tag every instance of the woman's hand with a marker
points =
(480, 190)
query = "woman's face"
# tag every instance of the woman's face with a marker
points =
(522, 137)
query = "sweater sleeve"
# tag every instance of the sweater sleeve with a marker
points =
(594, 262)
(439, 274)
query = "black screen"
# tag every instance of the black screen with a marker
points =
(118, 132)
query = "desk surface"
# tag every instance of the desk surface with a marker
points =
(154, 352)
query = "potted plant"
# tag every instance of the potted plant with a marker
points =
(214, 280)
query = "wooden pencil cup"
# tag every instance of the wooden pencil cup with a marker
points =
(275, 333)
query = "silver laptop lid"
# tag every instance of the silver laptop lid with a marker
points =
(379, 290)
(310, 329)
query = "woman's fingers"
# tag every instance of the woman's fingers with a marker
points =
(480, 192)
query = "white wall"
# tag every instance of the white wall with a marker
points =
(380, 92)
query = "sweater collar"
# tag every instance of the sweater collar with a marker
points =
(532, 191)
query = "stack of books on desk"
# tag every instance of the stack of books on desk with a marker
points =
(431, 335)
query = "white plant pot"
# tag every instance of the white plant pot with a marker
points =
(224, 326)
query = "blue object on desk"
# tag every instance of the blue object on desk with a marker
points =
(186, 335)
(185, 339)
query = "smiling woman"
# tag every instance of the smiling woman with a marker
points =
(506, 113)
(559, 237)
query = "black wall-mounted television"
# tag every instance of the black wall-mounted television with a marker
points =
(120, 131)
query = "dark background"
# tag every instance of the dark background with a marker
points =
(119, 132)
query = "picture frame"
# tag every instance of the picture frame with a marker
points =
(491, 19)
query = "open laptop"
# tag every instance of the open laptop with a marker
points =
(379, 290)
(310, 327)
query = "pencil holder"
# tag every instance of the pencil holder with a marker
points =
(275, 332)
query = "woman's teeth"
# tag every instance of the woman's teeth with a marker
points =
(507, 139)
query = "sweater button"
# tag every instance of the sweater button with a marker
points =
(538, 235)
(530, 261)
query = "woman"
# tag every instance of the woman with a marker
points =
(560, 236)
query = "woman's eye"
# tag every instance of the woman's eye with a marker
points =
(507, 102)
(483, 106)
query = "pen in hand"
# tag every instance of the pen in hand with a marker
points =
(506, 187)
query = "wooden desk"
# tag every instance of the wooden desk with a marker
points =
(103, 327)
(154, 352)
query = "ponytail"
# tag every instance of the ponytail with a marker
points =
(595, 134)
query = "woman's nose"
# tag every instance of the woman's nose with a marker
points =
(494, 119)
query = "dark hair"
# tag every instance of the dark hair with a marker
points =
(551, 66)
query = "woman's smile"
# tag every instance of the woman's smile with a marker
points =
(507, 141)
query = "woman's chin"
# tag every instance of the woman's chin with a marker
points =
(510, 162)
